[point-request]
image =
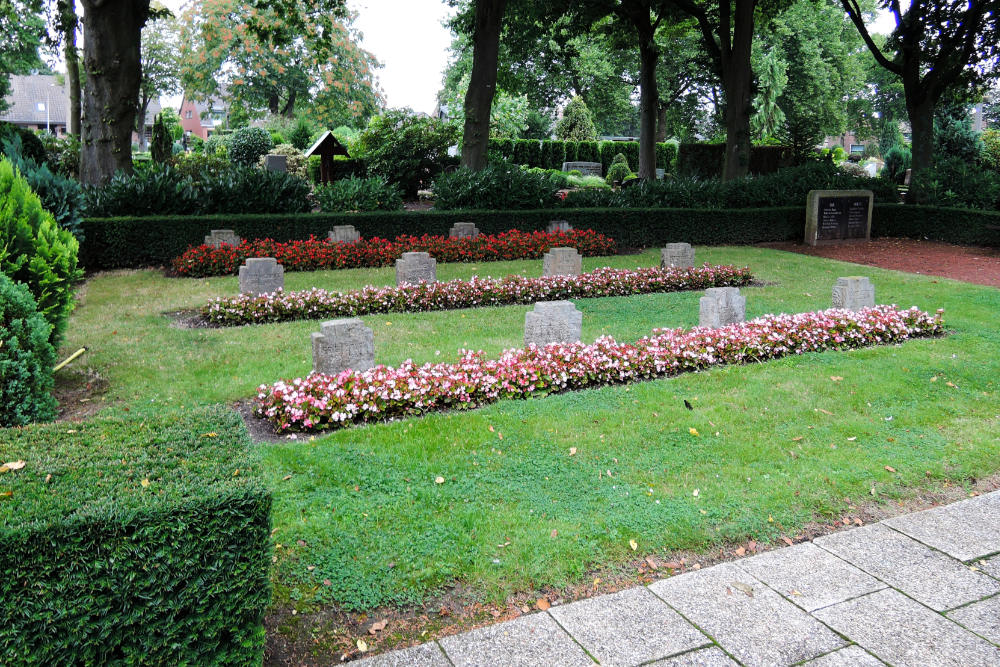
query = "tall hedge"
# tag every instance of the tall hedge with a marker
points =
(705, 160)
(551, 154)
(134, 542)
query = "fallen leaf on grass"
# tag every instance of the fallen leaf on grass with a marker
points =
(695, 493)
(439, 480)
(951, 384)
(890, 469)
(633, 544)
(554, 533)
(572, 451)
(787, 541)
(377, 625)
(286, 478)
(852, 438)
(144, 483)
(212, 434)
(741, 551)
(12, 465)
(693, 431)
(836, 378)
(362, 645)
(934, 379)
(651, 563)
(542, 604)
(492, 429)
(796, 438)
(6, 494)
(825, 412)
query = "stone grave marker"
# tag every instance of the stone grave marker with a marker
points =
(276, 163)
(219, 236)
(721, 306)
(464, 230)
(343, 344)
(836, 216)
(552, 322)
(344, 234)
(261, 275)
(559, 226)
(677, 255)
(585, 168)
(853, 293)
(413, 267)
(562, 262)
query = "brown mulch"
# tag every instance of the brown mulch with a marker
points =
(930, 258)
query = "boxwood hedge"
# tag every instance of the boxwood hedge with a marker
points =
(133, 542)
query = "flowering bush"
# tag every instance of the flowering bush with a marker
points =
(314, 254)
(325, 401)
(319, 304)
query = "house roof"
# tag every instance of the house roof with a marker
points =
(27, 92)
(327, 144)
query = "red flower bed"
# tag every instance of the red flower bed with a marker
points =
(314, 254)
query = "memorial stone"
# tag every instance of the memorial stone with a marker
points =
(344, 234)
(585, 168)
(562, 262)
(261, 275)
(721, 306)
(677, 255)
(559, 226)
(219, 236)
(343, 344)
(835, 216)
(464, 230)
(552, 322)
(413, 267)
(853, 293)
(276, 163)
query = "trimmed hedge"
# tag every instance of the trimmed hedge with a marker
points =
(705, 160)
(138, 542)
(548, 154)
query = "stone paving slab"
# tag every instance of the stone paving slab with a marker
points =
(991, 566)
(809, 576)
(746, 618)
(963, 530)
(982, 617)
(529, 640)
(705, 657)
(904, 633)
(425, 655)
(852, 656)
(628, 628)
(928, 576)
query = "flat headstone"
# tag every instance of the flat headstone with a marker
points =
(552, 322)
(677, 255)
(261, 275)
(836, 216)
(853, 293)
(343, 344)
(982, 617)
(529, 640)
(562, 262)
(704, 657)
(850, 656)
(424, 655)
(906, 634)
(927, 576)
(276, 163)
(746, 618)
(809, 576)
(558, 226)
(964, 530)
(344, 234)
(721, 306)
(414, 267)
(219, 236)
(464, 230)
(585, 168)
(628, 628)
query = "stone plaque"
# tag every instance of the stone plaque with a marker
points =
(559, 226)
(343, 344)
(552, 322)
(677, 255)
(721, 306)
(219, 236)
(261, 275)
(853, 293)
(276, 163)
(464, 230)
(344, 234)
(834, 216)
(585, 168)
(562, 262)
(414, 267)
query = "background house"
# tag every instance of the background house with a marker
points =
(202, 118)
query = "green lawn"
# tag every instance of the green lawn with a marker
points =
(780, 443)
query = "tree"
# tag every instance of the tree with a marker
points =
(953, 133)
(769, 118)
(577, 123)
(66, 24)
(487, 23)
(162, 144)
(21, 29)
(160, 43)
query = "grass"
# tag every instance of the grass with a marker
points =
(780, 444)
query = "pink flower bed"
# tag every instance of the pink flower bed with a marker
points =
(326, 402)
(454, 294)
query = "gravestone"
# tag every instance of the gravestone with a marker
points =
(220, 236)
(562, 262)
(721, 306)
(559, 226)
(344, 234)
(660, 173)
(343, 344)
(464, 230)
(677, 255)
(261, 275)
(853, 293)
(835, 216)
(276, 163)
(585, 168)
(552, 322)
(413, 267)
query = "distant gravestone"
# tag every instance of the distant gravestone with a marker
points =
(413, 267)
(343, 344)
(261, 275)
(552, 322)
(853, 293)
(562, 262)
(721, 306)
(585, 168)
(219, 236)
(677, 255)
(276, 163)
(344, 234)
(660, 173)
(835, 216)
(559, 226)
(464, 230)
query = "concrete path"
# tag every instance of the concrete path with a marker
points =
(921, 589)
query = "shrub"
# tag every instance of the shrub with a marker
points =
(296, 162)
(991, 149)
(157, 190)
(217, 142)
(248, 190)
(199, 166)
(247, 144)
(300, 135)
(161, 145)
(359, 194)
(498, 186)
(588, 181)
(26, 358)
(35, 251)
(134, 542)
(32, 147)
(528, 152)
(62, 154)
(618, 170)
(61, 195)
(953, 182)
(897, 161)
(577, 123)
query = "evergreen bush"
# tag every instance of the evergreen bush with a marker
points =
(26, 358)
(498, 186)
(359, 194)
(897, 161)
(247, 144)
(577, 123)
(161, 145)
(61, 195)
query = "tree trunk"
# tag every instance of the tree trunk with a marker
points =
(272, 103)
(288, 111)
(112, 32)
(68, 12)
(140, 121)
(648, 99)
(661, 122)
(921, 141)
(737, 80)
(482, 82)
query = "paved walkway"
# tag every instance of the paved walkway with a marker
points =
(919, 589)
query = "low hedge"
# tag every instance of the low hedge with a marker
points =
(133, 542)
